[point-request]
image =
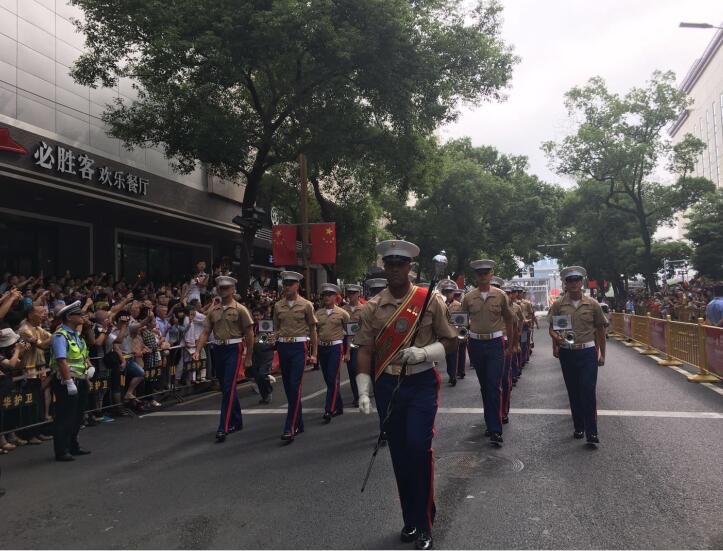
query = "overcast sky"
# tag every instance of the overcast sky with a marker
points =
(562, 44)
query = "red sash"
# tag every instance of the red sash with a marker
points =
(396, 334)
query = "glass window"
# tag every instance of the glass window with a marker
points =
(66, 31)
(35, 38)
(8, 74)
(76, 105)
(36, 64)
(35, 85)
(36, 111)
(716, 152)
(8, 24)
(711, 148)
(8, 100)
(65, 81)
(73, 128)
(38, 15)
(703, 155)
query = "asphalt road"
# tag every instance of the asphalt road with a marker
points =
(161, 481)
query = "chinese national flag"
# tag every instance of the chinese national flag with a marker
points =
(323, 243)
(284, 244)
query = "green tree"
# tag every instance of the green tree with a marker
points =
(705, 231)
(476, 202)
(247, 85)
(619, 143)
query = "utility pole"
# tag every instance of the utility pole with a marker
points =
(305, 223)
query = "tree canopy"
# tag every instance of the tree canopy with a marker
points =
(705, 231)
(619, 143)
(246, 85)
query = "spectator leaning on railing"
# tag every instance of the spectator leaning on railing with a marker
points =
(714, 310)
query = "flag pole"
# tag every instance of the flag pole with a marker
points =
(305, 223)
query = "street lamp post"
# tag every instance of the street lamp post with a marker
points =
(686, 25)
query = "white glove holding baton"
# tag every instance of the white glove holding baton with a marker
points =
(70, 386)
(364, 384)
(416, 355)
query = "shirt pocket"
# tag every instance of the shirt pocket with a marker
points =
(231, 314)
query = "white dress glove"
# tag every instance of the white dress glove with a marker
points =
(70, 386)
(364, 384)
(431, 353)
(90, 372)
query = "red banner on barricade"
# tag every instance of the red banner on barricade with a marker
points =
(657, 334)
(628, 324)
(714, 349)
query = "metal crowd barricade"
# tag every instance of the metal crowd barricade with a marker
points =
(696, 344)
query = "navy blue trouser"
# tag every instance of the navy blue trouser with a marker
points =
(452, 364)
(579, 369)
(487, 359)
(507, 381)
(462, 358)
(351, 368)
(410, 430)
(228, 363)
(525, 345)
(330, 358)
(292, 360)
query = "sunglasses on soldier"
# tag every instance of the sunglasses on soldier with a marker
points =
(288, 282)
(573, 278)
(483, 271)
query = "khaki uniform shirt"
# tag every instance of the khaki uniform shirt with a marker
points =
(487, 316)
(529, 309)
(331, 326)
(354, 311)
(295, 320)
(434, 325)
(585, 318)
(228, 323)
(454, 306)
(517, 314)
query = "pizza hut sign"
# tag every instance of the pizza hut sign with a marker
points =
(65, 161)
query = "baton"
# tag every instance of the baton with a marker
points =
(440, 263)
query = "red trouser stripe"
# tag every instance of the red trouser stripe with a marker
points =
(298, 395)
(232, 392)
(336, 380)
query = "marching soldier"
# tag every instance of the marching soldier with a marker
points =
(447, 287)
(331, 328)
(489, 317)
(388, 322)
(375, 285)
(512, 358)
(462, 349)
(232, 325)
(70, 359)
(515, 299)
(526, 338)
(577, 328)
(354, 309)
(295, 323)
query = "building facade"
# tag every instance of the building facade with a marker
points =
(704, 118)
(73, 197)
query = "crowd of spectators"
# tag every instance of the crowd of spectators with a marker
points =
(686, 301)
(133, 329)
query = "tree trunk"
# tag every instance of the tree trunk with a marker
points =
(648, 272)
(248, 234)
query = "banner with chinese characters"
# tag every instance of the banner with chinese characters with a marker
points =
(64, 161)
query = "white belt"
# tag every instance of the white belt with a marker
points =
(230, 341)
(395, 369)
(578, 346)
(486, 336)
(330, 343)
(292, 339)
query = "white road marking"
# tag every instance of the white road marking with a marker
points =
(319, 392)
(470, 411)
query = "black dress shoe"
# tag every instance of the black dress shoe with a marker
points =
(578, 434)
(287, 437)
(496, 438)
(505, 420)
(220, 436)
(424, 541)
(409, 534)
(327, 417)
(298, 431)
(593, 439)
(80, 451)
(453, 382)
(338, 413)
(64, 458)
(236, 428)
(488, 433)
(460, 376)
